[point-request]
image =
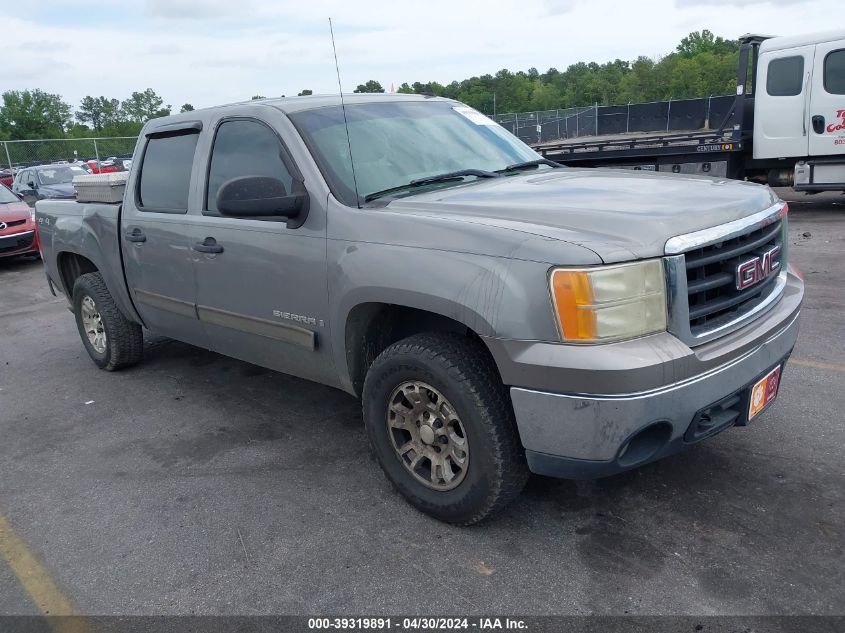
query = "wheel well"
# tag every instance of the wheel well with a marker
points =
(372, 327)
(71, 266)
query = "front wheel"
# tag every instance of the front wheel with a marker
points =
(442, 427)
(111, 340)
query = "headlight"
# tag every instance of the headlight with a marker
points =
(609, 303)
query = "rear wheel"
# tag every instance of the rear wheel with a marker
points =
(442, 427)
(111, 340)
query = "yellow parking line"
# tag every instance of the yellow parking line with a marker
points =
(35, 579)
(817, 365)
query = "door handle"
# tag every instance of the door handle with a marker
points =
(208, 245)
(136, 235)
(818, 124)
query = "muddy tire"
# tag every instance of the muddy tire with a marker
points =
(111, 340)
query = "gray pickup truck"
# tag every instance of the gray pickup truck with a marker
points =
(496, 313)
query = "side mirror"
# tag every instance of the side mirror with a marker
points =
(31, 185)
(260, 196)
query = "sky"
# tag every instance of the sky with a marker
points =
(209, 52)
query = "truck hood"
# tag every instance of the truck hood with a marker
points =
(618, 214)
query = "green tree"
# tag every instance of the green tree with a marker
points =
(32, 114)
(305, 93)
(186, 107)
(702, 64)
(257, 97)
(704, 41)
(100, 112)
(142, 106)
(371, 86)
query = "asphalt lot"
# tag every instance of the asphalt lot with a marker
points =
(198, 484)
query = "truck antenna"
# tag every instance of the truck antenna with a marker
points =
(345, 122)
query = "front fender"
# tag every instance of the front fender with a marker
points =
(492, 296)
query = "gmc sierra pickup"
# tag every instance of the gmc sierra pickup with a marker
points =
(495, 312)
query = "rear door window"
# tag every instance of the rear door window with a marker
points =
(834, 72)
(785, 77)
(165, 177)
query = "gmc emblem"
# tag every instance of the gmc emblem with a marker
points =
(753, 271)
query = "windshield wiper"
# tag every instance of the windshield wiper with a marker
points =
(428, 180)
(529, 164)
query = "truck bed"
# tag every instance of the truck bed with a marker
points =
(85, 232)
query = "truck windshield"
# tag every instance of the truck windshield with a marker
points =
(396, 143)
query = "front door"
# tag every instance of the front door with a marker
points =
(827, 109)
(155, 236)
(262, 295)
(781, 101)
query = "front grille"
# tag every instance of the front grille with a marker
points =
(12, 223)
(711, 273)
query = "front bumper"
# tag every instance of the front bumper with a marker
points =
(18, 243)
(587, 433)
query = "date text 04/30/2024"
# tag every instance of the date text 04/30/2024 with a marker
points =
(416, 623)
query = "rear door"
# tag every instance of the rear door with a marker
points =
(781, 102)
(263, 297)
(155, 236)
(827, 109)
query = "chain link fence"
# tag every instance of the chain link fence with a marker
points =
(532, 127)
(658, 116)
(17, 154)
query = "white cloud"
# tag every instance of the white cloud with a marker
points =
(42, 46)
(736, 3)
(556, 7)
(196, 9)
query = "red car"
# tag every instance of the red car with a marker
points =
(7, 176)
(17, 226)
(103, 167)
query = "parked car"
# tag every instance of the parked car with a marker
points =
(7, 176)
(496, 313)
(46, 182)
(122, 163)
(102, 167)
(17, 225)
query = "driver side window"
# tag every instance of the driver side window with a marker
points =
(244, 148)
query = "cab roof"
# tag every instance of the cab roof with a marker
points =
(287, 105)
(808, 39)
(297, 104)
